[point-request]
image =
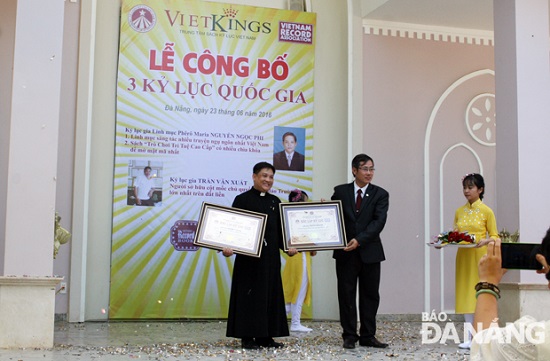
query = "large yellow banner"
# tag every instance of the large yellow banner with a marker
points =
(204, 91)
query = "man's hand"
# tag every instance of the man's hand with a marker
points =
(490, 265)
(227, 252)
(353, 244)
(542, 260)
(292, 251)
(485, 242)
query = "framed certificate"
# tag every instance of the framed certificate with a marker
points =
(313, 226)
(220, 227)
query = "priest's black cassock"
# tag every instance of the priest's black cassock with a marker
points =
(256, 304)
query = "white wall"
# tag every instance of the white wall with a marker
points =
(32, 86)
(66, 150)
(403, 80)
(7, 42)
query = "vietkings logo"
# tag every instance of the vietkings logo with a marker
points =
(142, 18)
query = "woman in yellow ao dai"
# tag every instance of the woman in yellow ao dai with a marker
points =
(479, 221)
(297, 277)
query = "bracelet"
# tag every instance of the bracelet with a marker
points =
(488, 286)
(497, 296)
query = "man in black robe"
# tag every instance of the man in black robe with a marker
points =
(257, 305)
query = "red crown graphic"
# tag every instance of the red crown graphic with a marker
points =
(232, 13)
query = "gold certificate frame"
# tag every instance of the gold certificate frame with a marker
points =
(222, 227)
(313, 226)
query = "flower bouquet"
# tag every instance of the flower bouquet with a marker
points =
(455, 238)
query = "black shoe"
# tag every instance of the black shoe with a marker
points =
(268, 342)
(349, 344)
(249, 344)
(373, 342)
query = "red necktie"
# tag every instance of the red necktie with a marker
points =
(358, 201)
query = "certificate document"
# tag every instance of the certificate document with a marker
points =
(307, 226)
(313, 225)
(222, 227)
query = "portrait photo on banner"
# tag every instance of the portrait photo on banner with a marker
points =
(289, 148)
(144, 183)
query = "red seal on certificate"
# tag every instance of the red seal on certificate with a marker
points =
(182, 234)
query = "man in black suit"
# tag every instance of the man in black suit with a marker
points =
(289, 159)
(365, 209)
